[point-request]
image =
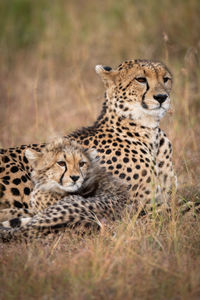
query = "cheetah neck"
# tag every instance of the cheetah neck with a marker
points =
(110, 119)
(119, 127)
(139, 116)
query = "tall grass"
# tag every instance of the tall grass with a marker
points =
(48, 87)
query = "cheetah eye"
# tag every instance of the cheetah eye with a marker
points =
(165, 79)
(141, 79)
(61, 163)
(82, 163)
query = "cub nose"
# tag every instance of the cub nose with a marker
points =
(160, 98)
(74, 178)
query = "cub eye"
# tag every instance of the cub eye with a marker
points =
(141, 79)
(82, 163)
(61, 163)
(165, 79)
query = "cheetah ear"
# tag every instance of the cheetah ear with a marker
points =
(32, 156)
(107, 74)
(92, 152)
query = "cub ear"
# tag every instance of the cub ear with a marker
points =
(32, 156)
(93, 154)
(107, 74)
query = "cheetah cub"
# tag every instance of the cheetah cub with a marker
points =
(61, 168)
(70, 190)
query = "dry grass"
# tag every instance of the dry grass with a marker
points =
(48, 87)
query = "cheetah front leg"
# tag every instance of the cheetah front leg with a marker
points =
(11, 213)
(76, 213)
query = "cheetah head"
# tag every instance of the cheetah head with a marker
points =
(138, 90)
(62, 166)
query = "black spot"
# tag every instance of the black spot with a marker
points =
(135, 176)
(109, 162)
(2, 169)
(18, 204)
(137, 134)
(118, 166)
(6, 182)
(87, 225)
(13, 155)
(25, 204)
(137, 167)
(108, 151)
(27, 191)
(5, 159)
(15, 222)
(148, 179)
(144, 172)
(118, 153)
(134, 159)
(135, 187)
(161, 164)
(114, 159)
(122, 175)
(86, 142)
(125, 160)
(129, 134)
(119, 140)
(132, 124)
(96, 142)
(2, 187)
(25, 160)
(15, 191)
(14, 169)
(162, 142)
(23, 178)
(71, 219)
(129, 170)
(16, 181)
(143, 151)
(134, 151)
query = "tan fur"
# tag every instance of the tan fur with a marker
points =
(126, 135)
(100, 196)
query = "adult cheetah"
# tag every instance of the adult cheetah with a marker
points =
(126, 135)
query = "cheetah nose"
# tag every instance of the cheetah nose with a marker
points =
(160, 98)
(74, 178)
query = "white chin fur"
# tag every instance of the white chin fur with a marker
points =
(146, 117)
(55, 187)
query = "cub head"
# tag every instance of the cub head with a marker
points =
(61, 166)
(138, 90)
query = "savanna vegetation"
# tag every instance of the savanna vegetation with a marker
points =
(48, 87)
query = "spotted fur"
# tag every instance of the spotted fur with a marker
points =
(101, 196)
(126, 135)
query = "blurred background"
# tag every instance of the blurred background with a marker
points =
(49, 49)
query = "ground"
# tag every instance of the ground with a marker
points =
(48, 87)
